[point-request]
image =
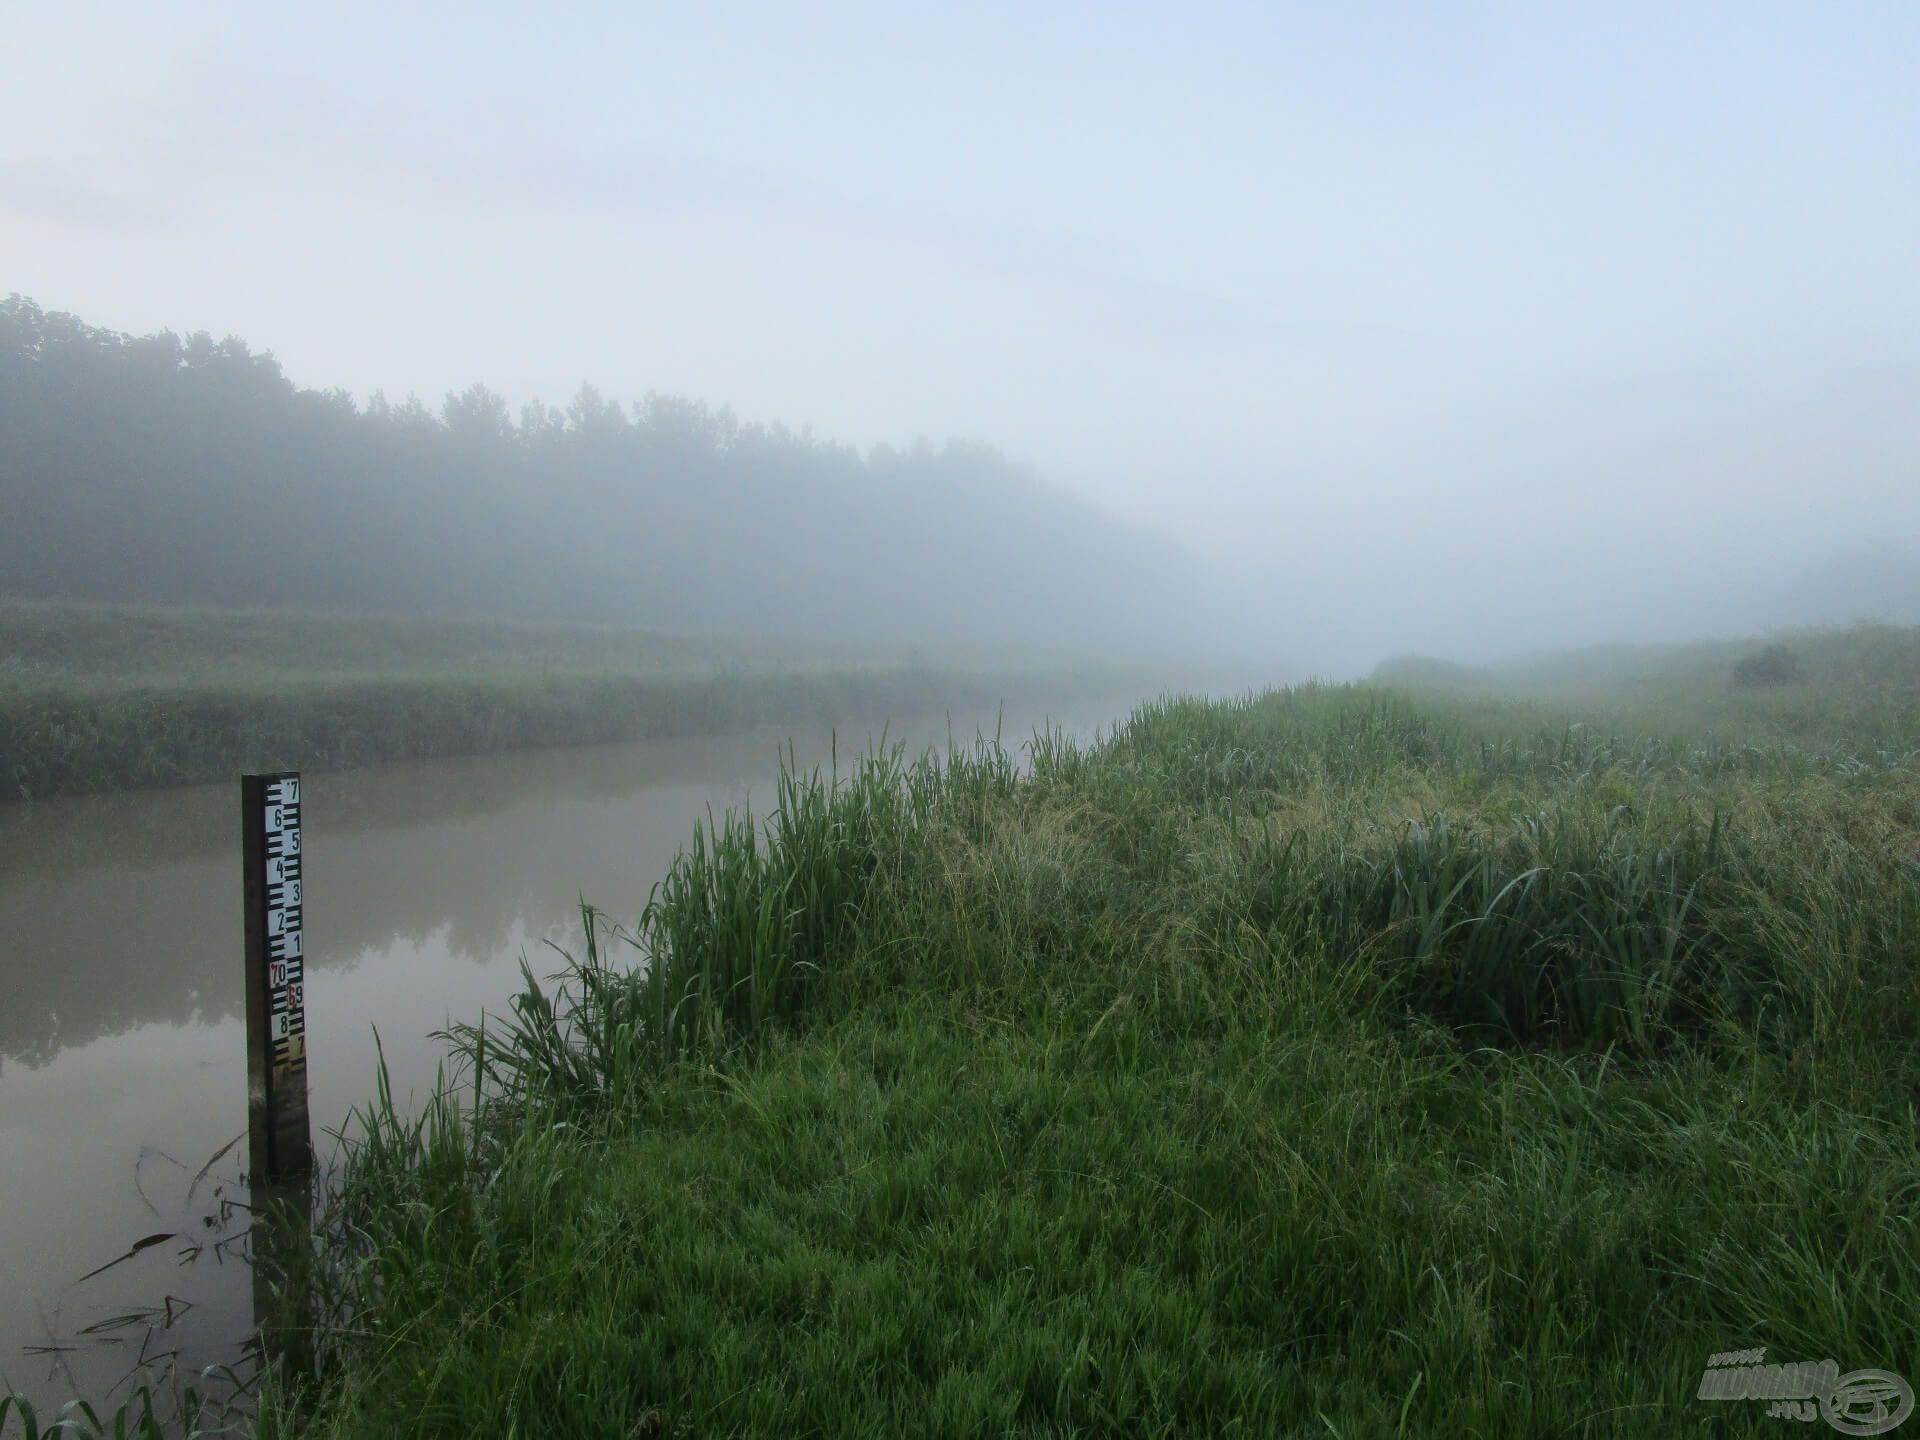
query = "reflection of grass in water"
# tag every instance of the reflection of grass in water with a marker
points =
(1420, 1066)
(217, 1400)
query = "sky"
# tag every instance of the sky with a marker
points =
(1465, 328)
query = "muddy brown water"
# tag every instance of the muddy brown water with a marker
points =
(122, 1038)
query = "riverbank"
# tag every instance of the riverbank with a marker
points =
(1327, 1060)
(98, 699)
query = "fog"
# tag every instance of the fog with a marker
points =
(1464, 330)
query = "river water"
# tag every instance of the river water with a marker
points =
(122, 1033)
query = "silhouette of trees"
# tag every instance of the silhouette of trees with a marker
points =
(167, 469)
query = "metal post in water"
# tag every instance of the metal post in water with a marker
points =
(280, 1140)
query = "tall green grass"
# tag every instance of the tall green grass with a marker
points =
(111, 698)
(56, 742)
(146, 1416)
(1322, 1062)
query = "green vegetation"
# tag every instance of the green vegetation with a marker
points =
(1774, 665)
(1834, 672)
(97, 698)
(143, 1417)
(1329, 1062)
(109, 646)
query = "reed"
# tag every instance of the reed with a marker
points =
(96, 699)
(1329, 1059)
(144, 1416)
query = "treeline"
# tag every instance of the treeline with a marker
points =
(159, 468)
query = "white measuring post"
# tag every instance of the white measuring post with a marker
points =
(281, 1140)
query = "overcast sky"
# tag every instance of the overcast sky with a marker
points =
(1456, 327)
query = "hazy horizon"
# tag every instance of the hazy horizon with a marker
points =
(1465, 334)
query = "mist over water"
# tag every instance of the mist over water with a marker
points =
(1307, 339)
(384, 390)
(120, 961)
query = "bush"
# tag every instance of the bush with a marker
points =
(1775, 665)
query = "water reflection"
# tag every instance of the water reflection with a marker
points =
(122, 1050)
(125, 910)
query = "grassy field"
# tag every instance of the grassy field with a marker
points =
(114, 698)
(1857, 684)
(1331, 1062)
